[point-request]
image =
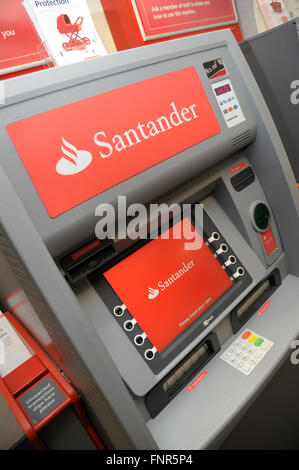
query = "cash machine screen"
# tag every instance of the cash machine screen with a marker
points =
(165, 286)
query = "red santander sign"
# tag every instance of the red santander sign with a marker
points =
(80, 150)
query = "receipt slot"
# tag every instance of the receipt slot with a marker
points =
(145, 327)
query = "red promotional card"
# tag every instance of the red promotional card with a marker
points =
(166, 287)
(19, 44)
(167, 17)
(77, 151)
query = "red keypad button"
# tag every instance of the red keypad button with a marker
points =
(246, 334)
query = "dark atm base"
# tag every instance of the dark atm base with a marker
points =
(271, 423)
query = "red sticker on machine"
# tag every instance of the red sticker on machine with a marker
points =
(85, 249)
(74, 152)
(269, 242)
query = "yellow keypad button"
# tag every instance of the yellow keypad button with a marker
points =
(252, 338)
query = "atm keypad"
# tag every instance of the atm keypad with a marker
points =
(247, 351)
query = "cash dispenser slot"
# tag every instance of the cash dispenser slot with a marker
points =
(86, 259)
(248, 307)
(159, 397)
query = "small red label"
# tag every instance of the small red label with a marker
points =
(264, 308)
(80, 150)
(197, 381)
(269, 242)
(237, 168)
(86, 249)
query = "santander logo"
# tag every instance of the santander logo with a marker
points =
(74, 160)
(153, 293)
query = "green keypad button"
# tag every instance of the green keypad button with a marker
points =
(259, 342)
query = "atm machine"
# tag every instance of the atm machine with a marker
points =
(273, 57)
(167, 346)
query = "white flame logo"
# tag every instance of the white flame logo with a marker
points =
(153, 293)
(74, 161)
